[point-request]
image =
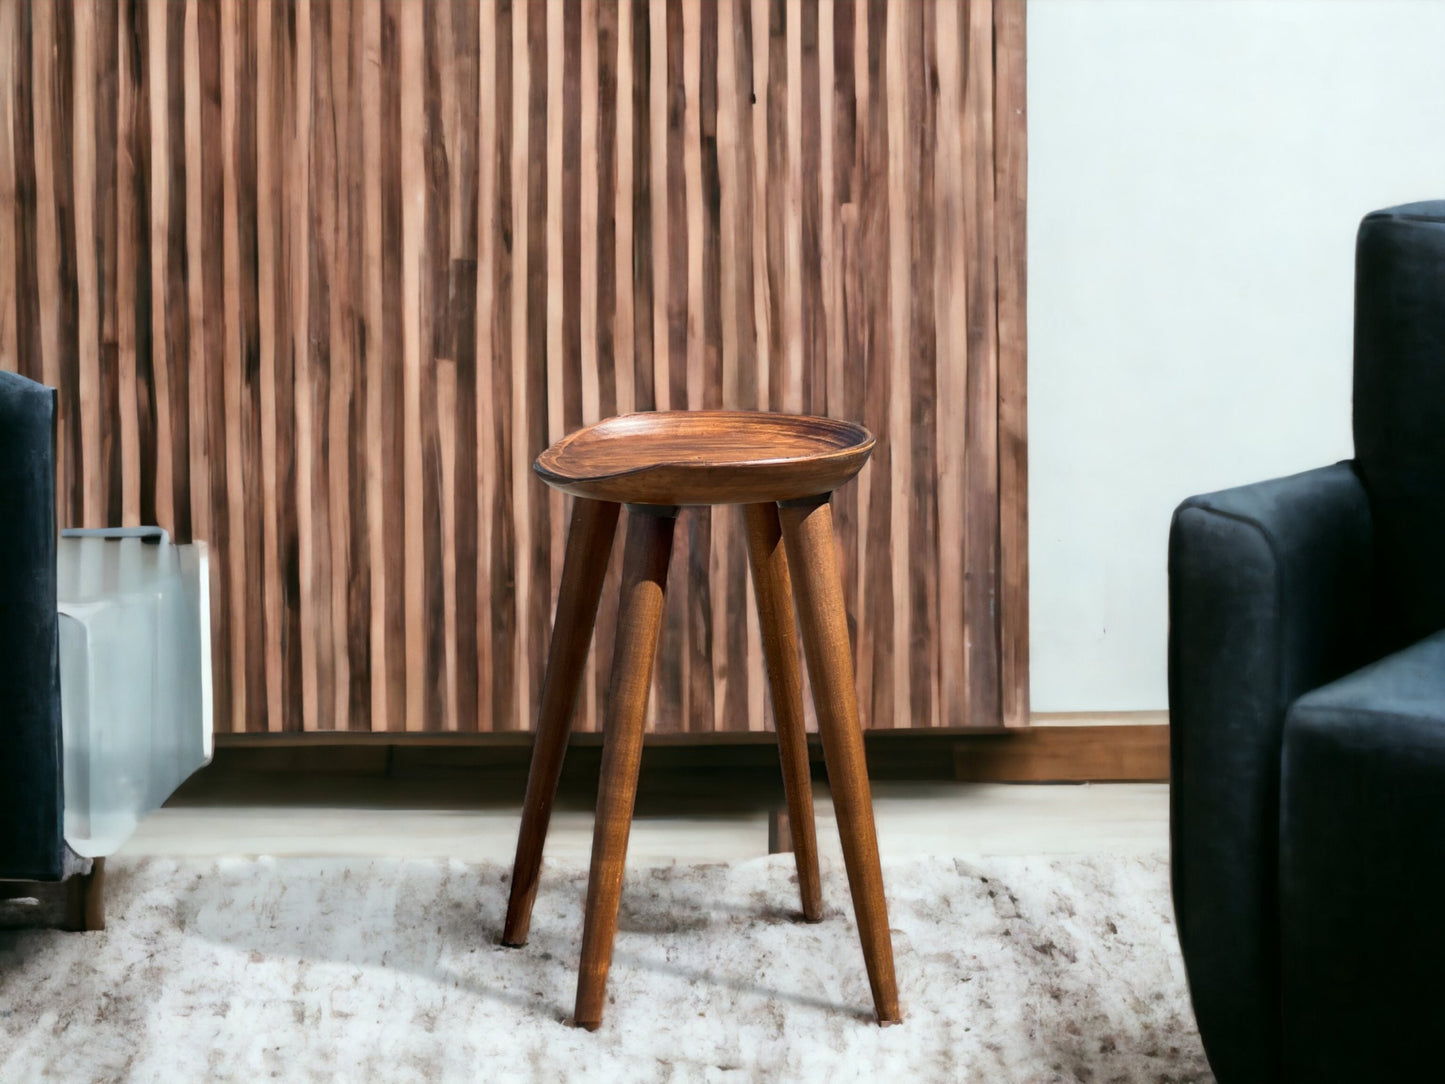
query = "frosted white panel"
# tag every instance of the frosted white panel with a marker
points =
(134, 681)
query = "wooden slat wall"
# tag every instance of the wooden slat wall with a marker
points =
(317, 281)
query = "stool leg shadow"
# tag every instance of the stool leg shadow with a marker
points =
(639, 622)
(774, 592)
(584, 567)
(808, 534)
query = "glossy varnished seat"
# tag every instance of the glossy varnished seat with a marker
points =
(783, 468)
(681, 457)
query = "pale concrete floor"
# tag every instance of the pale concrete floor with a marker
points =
(914, 818)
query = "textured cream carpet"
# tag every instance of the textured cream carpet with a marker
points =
(1012, 969)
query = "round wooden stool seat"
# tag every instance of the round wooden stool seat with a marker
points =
(681, 457)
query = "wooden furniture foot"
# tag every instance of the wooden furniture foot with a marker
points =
(780, 832)
(85, 899)
(639, 622)
(589, 544)
(808, 533)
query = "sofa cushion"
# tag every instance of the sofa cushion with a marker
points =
(1362, 872)
(1399, 410)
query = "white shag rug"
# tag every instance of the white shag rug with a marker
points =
(1010, 969)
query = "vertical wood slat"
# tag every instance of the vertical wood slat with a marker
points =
(8, 202)
(1010, 157)
(317, 281)
(950, 328)
(980, 460)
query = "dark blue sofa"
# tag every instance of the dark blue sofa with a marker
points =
(1307, 703)
(32, 800)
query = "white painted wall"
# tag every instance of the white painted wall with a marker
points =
(1196, 174)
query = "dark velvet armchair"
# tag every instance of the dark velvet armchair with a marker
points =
(32, 843)
(1307, 703)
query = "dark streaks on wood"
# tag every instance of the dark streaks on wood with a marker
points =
(391, 353)
(463, 317)
(270, 400)
(877, 604)
(321, 364)
(610, 100)
(437, 349)
(679, 618)
(847, 401)
(217, 424)
(923, 501)
(749, 397)
(538, 534)
(607, 106)
(503, 541)
(68, 506)
(27, 285)
(1010, 156)
(815, 334)
(107, 83)
(246, 180)
(177, 316)
(774, 209)
(981, 512)
(134, 25)
(642, 197)
(571, 212)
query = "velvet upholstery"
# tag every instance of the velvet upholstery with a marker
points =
(32, 845)
(1307, 697)
(1308, 777)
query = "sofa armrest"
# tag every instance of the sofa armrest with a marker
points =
(31, 842)
(1270, 589)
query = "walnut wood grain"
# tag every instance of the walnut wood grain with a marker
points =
(589, 544)
(1123, 753)
(706, 457)
(808, 534)
(1011, 255)
(774, 592)
(319, 280)
(639, 620)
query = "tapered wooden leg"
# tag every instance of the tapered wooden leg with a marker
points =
(639, 620)
(774, 593)
(589, 544)
(812, 556)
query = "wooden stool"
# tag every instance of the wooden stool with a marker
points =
(783, 468)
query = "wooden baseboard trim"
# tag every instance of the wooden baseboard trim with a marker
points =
(1066, 754)
(523, 738)
(1099, 718)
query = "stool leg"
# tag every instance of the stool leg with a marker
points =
(808, 534)
(589, 544)
(639, 620)
(774, 593)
